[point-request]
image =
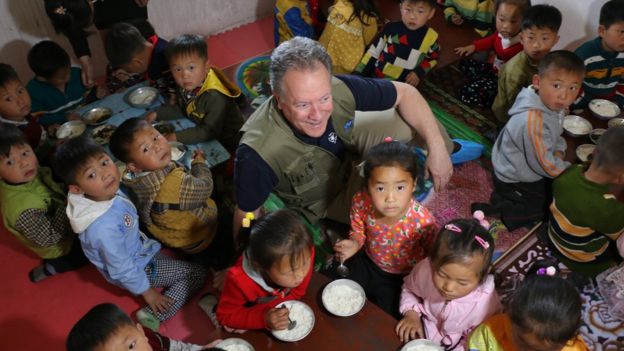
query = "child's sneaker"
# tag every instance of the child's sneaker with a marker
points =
(208, 303)
(147, 319)
(40, 273)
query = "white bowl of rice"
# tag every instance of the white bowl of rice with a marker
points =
(300, 313)
(604, 109)
(235, 344)
(576, 126)
(343, 297)
(422, 345)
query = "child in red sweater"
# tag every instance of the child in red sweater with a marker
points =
(275, 267)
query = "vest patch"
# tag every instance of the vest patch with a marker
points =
(333, 137)
(348, 125)
(127, 220)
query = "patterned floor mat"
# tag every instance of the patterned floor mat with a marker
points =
(599, 329)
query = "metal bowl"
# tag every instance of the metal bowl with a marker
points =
(595, 134)
(584, 151)
(70, 129)
(164, 128)
(614, 122)
(302, 329)
(178, 150)
(576, 126)
(142, 97)
(604, 109)
(234, 342)
(343, 297)
(97, 116)
(421, 344)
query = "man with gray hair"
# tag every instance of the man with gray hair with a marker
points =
(302, 143)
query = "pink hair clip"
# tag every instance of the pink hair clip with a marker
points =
(550, 270)
(453, 228)
(388, 139)
(480, 216)
(482, 242)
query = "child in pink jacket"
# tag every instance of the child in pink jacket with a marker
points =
(450, 293)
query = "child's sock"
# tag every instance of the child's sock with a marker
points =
(208, 303)
(148, 319)
(41, 272)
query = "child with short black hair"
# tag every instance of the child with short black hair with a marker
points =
(451, 292)
(604, 58)
(586, 219)
(15, 107)
(544, 314)
(106, 327)
(130, 53)
(394, 229)
(410, 58)
(57, 87)
(540, 28)
(205, 95)
(505, 43)
(529, 150)
(174, 203)
(33, 207)
(276, 266)
(107, 226)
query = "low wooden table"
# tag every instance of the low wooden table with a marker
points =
(371, 329)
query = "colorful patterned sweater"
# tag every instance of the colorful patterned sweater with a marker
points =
(478, 14)
(400, 51)
(585, 220)
(604, 76)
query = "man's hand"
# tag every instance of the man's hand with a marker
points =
(346, 248)
(410, 327)
(277, 318)
(157, 301)
(465, 50)
(438, 167)
(412, 79)
(457, 19)
(87, 71)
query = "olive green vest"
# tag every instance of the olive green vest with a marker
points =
(41, 193)
(309, 177)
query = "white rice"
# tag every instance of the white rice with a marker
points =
(304, 319)
(176, 153)
(235, 347)
(422, 348)
(576, 126)
(342, 299)
(604, 108)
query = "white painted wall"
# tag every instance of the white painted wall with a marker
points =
(24, 23)
(580, 20)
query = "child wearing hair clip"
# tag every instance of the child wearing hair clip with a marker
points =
(544, 314)
(394, 229)
(451, 292)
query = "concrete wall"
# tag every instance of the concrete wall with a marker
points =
(24, 23)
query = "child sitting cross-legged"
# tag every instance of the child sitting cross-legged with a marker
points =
(174, 203)
(586, 218)
(529, 151)
(205, 95)
(33, 207)
(107, 226)
(544, 314)
(107, 328)
(451, 292)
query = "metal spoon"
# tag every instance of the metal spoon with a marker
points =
(342, 270)
(291, 324)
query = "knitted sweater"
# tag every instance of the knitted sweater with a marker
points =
(175, 206)
(400, 51)
(604, 75)
(478, 14)
(504, 48)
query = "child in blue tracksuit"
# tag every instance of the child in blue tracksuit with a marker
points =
(108, 227)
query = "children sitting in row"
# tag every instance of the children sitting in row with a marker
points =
(108, 229)
(351, 26)
(173, 203)
(529, 151)
(395, 230)
(205, 95)
(406, 50)
(451, 292)
(544, 314)
(586, 219)
(33, 207)
(604, 58)
(106, 327)
(57, 87)
(540, 27)
(506, 44)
